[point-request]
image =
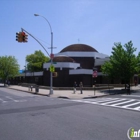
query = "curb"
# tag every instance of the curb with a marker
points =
(29, 92)
(62, 97)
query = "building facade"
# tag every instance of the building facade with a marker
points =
(76, 62)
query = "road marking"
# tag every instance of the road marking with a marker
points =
(22, 100)
(99, 99)
(15, 100)
(123, 102)
(96, 101)
(3, 100)
(132, 95)
(11, 99)
(137, 108)
(119, 100)
(113, 101)
(104, 100)
(131, 104)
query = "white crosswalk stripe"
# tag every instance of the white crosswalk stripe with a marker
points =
(137, 108)
(112, 102)
(131, 104)
(124, 103)
(106, 100)
(3, 100)
(10, 99)
(131, 95)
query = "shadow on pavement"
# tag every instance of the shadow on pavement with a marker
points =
(119, 91)
(114, 91)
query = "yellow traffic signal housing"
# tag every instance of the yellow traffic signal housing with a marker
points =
(55, 74)
(19, 37)
(24, 37)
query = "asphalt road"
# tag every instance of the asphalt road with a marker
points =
(25, 116)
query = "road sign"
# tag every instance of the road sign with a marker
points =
(52, 68)
(51, 55)
(95, 74)
(21, 71)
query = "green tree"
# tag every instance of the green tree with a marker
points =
(123, 62)
(138, 65)
(9, 67)
(35, 61)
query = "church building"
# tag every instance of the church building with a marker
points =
(77, 62)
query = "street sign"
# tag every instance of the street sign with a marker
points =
(95, 74)
(51, 55)
(21, 71)
(52, 68)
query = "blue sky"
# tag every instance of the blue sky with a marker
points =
(98, 23)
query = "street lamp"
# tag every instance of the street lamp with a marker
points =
(25, 74)
(51, 79)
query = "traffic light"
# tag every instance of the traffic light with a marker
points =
(54, 74)
(18, 37)
(24, 37)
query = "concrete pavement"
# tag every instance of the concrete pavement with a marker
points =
(68, 94)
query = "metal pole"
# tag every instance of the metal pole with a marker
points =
(94, 86)
(36, 40)
(51, 79)
(25, 72)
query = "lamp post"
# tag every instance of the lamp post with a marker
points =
(25, 74)
(51, 79)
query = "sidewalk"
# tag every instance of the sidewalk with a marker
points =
(68, 94)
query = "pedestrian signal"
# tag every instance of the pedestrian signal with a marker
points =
(55, 74)
(95, 74)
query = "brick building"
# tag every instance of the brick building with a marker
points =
(75, 62)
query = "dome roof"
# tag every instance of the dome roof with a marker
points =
(63, 59)
(78, 48)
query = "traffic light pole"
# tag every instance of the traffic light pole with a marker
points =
(36, 40)
(51, 78)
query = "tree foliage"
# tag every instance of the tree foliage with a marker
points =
(138, 65)
(123, 62)
(9, 67)
(35, 61)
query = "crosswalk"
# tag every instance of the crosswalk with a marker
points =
(10, 99)
(124, 103)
